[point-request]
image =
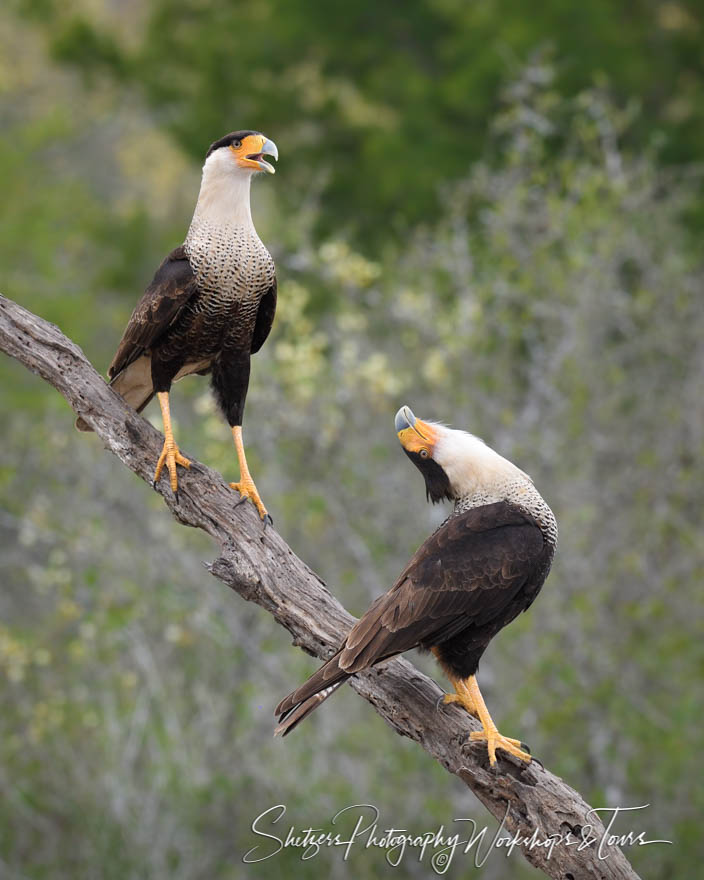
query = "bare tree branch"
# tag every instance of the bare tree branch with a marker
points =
(260, 566)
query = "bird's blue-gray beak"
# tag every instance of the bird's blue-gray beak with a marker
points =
(269, 148)
(409, 427)
(404, 419)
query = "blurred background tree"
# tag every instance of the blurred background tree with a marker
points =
(503, 235)
(385, 98)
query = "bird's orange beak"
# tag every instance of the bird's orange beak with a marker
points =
(414, 434)
(250, 153)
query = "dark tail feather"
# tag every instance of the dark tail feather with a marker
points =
(302, 710)
(297, 705)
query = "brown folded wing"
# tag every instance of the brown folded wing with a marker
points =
(464, 575)
(467, 574)
(172, 287)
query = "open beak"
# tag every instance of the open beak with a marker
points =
(268, 148)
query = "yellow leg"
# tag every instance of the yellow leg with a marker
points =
(461, 696)
(490, 734)
(169, 454)
(246, 486)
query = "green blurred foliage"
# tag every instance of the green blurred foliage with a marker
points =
(385, 101)
(549, 302)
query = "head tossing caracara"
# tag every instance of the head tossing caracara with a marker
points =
(210, 306)
(483, 566)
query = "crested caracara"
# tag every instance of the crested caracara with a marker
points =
(483, 566)
(209, 307)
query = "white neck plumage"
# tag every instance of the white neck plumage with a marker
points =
(478, 475)
(472, 466)
(224, 194)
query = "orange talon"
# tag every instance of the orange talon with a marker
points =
(495, 740)
(469, 696)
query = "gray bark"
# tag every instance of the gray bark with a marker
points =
(262, 568)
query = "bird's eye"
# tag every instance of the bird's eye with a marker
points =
(237, 143)
(424, 453)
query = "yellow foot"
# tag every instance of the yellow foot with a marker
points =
(247, 489)
(465, 701)
(171, 457)
(495, 740)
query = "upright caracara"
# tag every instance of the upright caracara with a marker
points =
(483, 566)
(209, 307)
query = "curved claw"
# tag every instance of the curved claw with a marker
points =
(268, 521)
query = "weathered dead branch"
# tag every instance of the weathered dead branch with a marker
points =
(262, 568)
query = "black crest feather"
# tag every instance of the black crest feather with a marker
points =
(228, 139)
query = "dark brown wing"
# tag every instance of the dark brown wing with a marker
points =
(173, 285)
(265, 318)
(466, 574)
